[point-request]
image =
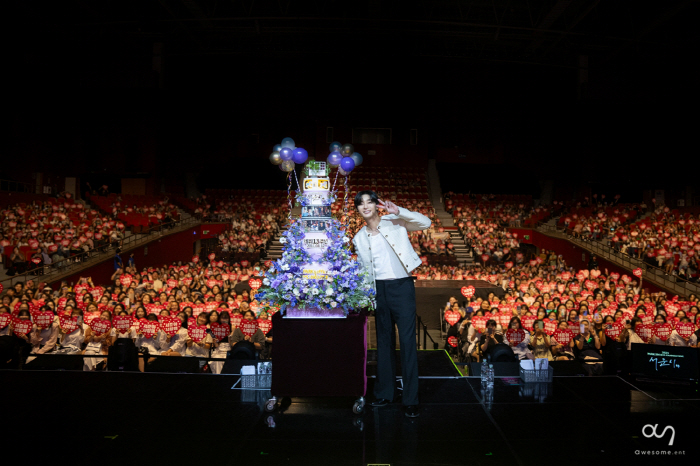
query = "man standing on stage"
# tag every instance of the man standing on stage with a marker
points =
(385, 252)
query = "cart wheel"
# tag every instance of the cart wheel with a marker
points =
(271, 405)
(359, 406)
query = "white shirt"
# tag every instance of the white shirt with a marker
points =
(386, 263)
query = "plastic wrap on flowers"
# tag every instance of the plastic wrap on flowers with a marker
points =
(300, 290)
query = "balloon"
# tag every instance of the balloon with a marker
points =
(334, 159)
(277, 148)
(288, 142)
(343, 172)
(287, 166)
(347, 164)
(286, 153)
(347, 150)
(299, 155)
(335, 146)
(275, 158)
(357, 158)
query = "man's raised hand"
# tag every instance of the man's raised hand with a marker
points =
(389, 206)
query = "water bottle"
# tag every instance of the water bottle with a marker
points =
(484, 373)
(491, 375)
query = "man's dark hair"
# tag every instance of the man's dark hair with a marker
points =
(373, 197)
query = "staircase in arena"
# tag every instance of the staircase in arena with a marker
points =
(274, 252)
(462, 252)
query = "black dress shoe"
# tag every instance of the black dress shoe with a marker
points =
(412, 411)
(379, 402)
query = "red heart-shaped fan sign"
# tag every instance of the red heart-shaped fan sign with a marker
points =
(195, 259)
(265, 325)
(563, 336)
(590, 284)
(36, 260)
(550, 326)
(515, 336)
(647, 319)
(68, 324)
(43, 319)
(626, 279)
(21, 327)
(575, 287)
(170, 325)
(453, 342)
(614, 330)
(479, 322)
(172, 283)
(149, 327)
(236, 320)
(533, 263)
(211, 256)
(219, 331)
(198, 309)
(249, 327)
(662, 331)
(122, 323)
(5, 320)
(100, 326)
(255, 283)
(671, 308)
(637, 272)
(452, 317)
(566, 276)
(503, 319)
(197, 332)
(485, 257)
(211, 282)
(125, 280)
(645, 331)
(508, 265)
(527, 322)
(468, 291)
(685, 329)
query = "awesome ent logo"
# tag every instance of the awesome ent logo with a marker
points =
(654, 434)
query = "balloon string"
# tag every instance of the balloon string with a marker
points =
(345, 197)
(289, 195)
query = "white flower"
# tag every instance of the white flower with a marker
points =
(334, 304)
(329, 291)
(266, 281)
(345, 239)
(283, 239)
(314, 291)
(285, 266)
(296, 291)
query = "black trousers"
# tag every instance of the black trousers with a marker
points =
(396, 306)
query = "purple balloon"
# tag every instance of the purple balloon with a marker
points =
(286, 153)
(334, 158)
(299, 155)
(347, 164)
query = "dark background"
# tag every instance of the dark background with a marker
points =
(584, 93)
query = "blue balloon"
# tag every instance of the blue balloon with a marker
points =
(286, 153)
(335, 146)
(347, 164)
(299, 155)
(357, 158)
(288, 142)
(334, 159)
(277, 148)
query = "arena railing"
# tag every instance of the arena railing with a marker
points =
(654, 274)
(420, 326)
(55, 271)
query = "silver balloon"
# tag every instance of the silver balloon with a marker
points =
(275, 158)
(347, 150)
(342, 172)
(277, 148)
(287, 166)
(288, 142)
(357, 158)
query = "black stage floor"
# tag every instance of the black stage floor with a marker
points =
(131, 418)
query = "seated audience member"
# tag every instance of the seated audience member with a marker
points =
(258, 339)
(490, 339)
(587, 350)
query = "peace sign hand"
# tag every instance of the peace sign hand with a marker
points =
(389, 206)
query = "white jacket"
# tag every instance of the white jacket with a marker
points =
(395, 230)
